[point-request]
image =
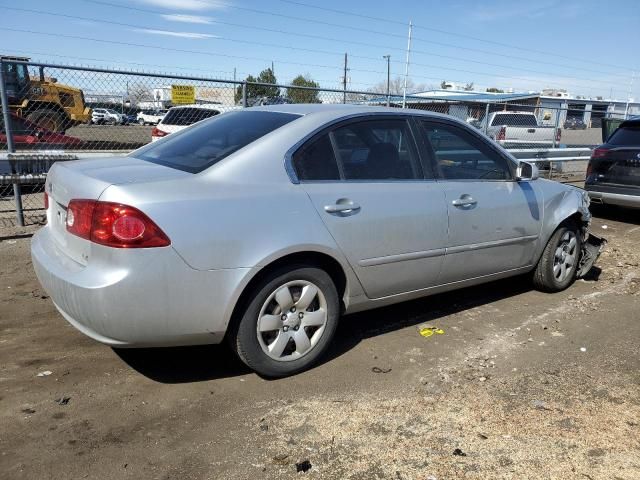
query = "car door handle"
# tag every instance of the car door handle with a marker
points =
(464, 201)
(344, 207)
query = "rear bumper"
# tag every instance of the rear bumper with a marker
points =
(619, 199)
(137, 297)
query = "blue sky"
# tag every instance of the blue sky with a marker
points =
(492, 43)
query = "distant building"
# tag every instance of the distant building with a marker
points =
(549, 105)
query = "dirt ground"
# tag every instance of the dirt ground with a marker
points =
(521, 385)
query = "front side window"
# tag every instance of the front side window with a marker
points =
(201, 146)
(461, 156)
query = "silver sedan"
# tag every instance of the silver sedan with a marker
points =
(263, 226)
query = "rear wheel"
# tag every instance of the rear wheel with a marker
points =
(49, 119)
(288, 322)
(557, 267)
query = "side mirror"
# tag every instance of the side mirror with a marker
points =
(527, 171)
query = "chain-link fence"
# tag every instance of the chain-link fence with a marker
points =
(55, 112)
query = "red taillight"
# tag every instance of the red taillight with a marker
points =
(558, 135)
(502, 133)
(79, 215)
(599, 152)
(114, 225)
(46, 201)
(156, 132)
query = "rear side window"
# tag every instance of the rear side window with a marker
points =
(377, 150)
(626, 136)
(187, 116)
(515, 120)
(197, 148)
(363, 150)
(316, 161)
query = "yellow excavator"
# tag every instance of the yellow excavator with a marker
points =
(42, 100)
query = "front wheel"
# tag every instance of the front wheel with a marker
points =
(558, 265)
(288, 323)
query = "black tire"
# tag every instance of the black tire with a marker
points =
(544, 278)
(49, 119)
(244, 337)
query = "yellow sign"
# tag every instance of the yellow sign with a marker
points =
(183, 94)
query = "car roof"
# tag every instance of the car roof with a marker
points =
(339, 109)
(207, 106)
(634, 122)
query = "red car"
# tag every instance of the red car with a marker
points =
(28, 133)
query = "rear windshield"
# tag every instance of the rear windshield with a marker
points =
(624, 136)
(187, 116)
(197, 148)
(515, 120)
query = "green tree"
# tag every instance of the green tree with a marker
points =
(297, 95)
(494, 90)
(257, 91)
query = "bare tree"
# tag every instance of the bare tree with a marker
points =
(139, 92)
(396, 86)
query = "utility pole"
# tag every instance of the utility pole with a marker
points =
(626, 108)
(272, 69)
(344, 80)
(406, 68)
(234, 74)
(388, 57)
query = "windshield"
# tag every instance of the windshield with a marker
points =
(113, 112)
(515, 120)
(197, 148)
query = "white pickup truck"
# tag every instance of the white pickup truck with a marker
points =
(520, 130)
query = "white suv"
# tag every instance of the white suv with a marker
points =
(102, 116)
(151, 117)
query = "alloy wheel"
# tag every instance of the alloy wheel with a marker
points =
(292, 320)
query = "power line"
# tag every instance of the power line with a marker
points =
(200, 52)
(387, 20)
(188, 69)
(366, 30)
(325, 52)
(173, 49)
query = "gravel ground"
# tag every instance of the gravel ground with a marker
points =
(521, 384)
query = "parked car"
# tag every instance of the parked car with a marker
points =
(574, 124)
(613, 172)
(130, 119)
(264, 225)
(520, 129)
(150, 117)
(26, 133)
(179, 118)
(106, 116)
